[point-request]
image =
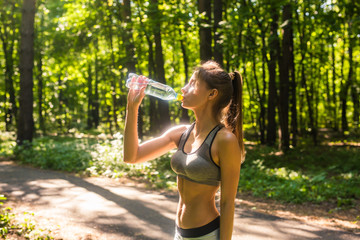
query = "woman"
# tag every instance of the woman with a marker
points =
(210, 151)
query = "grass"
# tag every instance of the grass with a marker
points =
(12, 228)
(304, 174)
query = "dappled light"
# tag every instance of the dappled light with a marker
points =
(70, 102)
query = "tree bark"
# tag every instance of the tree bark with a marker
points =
(40, 93)
(163, 106)
(218, 15)
(274, 46)
(96, 102)
(334, 94)
(344, 88)
(350, 82)
(204, 7)
(26, 121)
(284, 79)
(293, 101)
(90, 99)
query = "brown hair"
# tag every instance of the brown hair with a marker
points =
(228, 107)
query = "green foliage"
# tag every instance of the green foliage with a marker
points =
(81, 42)
(94, 157)
(314, 174)
(9, 226)
(305, 174)
(67, 154)
(7, 143)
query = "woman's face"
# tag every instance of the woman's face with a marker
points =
(195, 93)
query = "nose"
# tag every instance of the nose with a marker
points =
(183, 90)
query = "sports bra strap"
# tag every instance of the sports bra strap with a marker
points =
(212, 134)
(209, 138)
(185, 136)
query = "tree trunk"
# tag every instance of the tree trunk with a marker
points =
(26, 120)
(184, 112)
(205, 30)
(40, 93)
(261, 118)
(60, 113)
(90, 101)
(334, 94)
(163, 106)
(153, 111)
(284, 78)
(274, 45)
(350, 82)
(113, 66)
(218, 50)
(293, 101)
(356, 101)
(344, 87)
(128, 37)
(96, 102)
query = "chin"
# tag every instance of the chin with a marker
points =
(184, 106)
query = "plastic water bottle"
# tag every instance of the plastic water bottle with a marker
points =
(153, 88)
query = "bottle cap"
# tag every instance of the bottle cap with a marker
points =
(179, 97)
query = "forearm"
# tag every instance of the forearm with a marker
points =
(226, 220)
(131, 142)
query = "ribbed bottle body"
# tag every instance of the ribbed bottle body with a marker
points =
(153, 88)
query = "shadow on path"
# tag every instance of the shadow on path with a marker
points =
(131, 213)
(28, 184)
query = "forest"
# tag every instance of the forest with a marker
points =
(67, 62)
(64, 65)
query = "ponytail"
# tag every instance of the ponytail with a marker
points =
(234, 114)
(228, 107)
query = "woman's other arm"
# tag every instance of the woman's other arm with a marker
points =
(230, 163)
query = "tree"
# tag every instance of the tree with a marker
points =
(128, 42)
(204, 7)
(9, 23)
(274, 46)
(26, 120)
(163, 106)
(218, 17)
(284, 77)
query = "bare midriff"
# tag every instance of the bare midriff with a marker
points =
(196, 204)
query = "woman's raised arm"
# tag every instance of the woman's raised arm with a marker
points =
(135, 152)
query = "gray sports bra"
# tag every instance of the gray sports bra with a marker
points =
(197, 166)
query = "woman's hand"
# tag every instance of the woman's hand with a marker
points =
(136, 91)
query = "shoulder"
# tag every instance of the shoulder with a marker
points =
(177, 129)
(228, 148)
(225, 137)
(225, 146)
(175, 132)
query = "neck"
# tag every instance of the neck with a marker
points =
(205, 121)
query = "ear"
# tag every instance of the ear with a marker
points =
(213, 94)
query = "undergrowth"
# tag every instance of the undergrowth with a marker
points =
(304, 174)
(314, 174)
(10, 226)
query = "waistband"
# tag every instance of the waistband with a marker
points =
(200, 231)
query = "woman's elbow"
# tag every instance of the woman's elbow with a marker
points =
(128, 159)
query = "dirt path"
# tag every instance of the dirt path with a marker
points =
(100, 208)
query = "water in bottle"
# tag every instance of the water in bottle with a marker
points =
(153, 88)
